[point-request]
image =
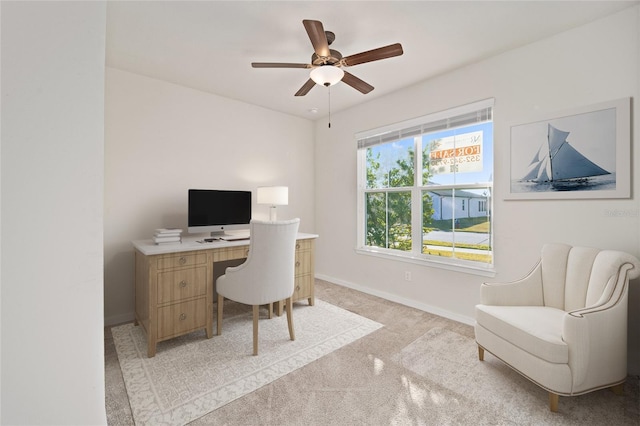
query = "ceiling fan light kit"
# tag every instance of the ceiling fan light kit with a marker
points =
(326, 75)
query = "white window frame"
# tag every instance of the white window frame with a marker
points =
(417, 127)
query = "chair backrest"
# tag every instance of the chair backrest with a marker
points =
(578, 277)
(272, 259)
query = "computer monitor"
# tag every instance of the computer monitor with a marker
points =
(217, 211)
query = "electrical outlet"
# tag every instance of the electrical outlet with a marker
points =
(407, 276)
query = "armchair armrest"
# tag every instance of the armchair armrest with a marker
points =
(526, 291)
(597, 334)
(597, 339)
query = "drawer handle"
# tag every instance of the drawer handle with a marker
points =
(183, 284)
(297, 263)
(182, 260)
(183, 317)
(297, 288)
(297, 246)
(246, 253)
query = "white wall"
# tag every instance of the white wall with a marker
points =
(162, 139)
(583, 66)
(52, 192)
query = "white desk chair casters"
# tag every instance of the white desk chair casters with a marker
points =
(267, 276)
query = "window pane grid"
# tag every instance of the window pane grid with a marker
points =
(428, 191)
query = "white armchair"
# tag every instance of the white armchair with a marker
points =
(267, 276)
(564, 325)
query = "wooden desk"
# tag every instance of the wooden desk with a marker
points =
(174, 284)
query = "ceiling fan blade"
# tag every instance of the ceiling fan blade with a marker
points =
(356, 83)
(373, 55)
(318, 38)
(306, 87)
(279, 65)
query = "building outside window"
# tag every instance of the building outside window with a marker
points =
(425, 187)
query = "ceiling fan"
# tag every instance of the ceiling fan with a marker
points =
(327, 64)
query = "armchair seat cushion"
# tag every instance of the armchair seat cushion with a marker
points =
(534, 329)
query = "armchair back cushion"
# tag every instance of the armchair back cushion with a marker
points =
(577, 277)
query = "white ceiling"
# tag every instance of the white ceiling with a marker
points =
(209, 45)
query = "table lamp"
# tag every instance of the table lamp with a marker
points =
(273, 196)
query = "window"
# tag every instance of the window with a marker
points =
(425, 185)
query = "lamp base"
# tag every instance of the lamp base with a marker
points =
(272, 214)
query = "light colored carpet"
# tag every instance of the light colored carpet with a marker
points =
(450, 360)
(190, 376)
(408, 372)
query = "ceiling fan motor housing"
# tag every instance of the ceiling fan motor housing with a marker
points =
(333, 59)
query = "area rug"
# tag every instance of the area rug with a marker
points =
(449, 362)
(191, 375)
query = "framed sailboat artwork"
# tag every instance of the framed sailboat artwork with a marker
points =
(579, 154)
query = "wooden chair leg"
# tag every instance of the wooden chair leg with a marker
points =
(219, 322)
(292, 334)
(554, 398)
(256, 314)
(618, 389)
(480, 353)
(270, 310)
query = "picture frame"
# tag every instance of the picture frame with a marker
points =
(583, 153)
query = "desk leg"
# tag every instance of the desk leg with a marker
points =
(312, 293)
(151, 347)
(209, 327)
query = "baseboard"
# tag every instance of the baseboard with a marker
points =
(124, 318)
(398, 299)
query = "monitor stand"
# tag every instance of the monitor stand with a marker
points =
(215, 236)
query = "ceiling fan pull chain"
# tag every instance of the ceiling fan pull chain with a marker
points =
(329, 88)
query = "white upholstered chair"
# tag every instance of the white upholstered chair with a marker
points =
(267, 276)
(564, 325)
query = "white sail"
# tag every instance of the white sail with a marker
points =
(558, 160)
(556, 139)
(539, 167)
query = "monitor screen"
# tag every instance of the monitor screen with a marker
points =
(217, 211)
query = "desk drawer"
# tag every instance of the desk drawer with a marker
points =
(182, 260)
(303, 263)
(231, 253)
(182, 284)
(302, 288)
(181, 318)
(303, 245)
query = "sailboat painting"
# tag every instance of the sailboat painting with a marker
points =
(579, 155)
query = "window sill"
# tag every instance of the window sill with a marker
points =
(457, 266)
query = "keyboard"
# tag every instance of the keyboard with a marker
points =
(235, 237)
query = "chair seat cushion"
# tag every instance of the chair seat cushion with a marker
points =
(535, 329)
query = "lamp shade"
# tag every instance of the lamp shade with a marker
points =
(273, 195)
(326, 75)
